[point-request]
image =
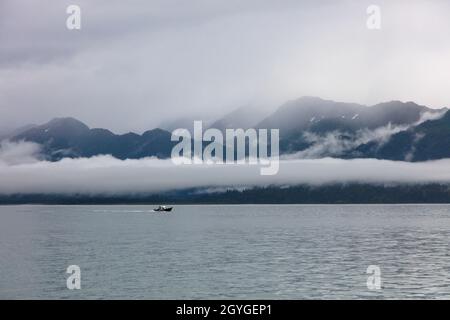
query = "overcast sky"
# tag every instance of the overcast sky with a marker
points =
(136, 63)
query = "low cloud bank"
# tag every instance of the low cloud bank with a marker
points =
(12, 153)
(333, 144)
(107, 175)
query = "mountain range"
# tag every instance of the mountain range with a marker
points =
(309, 127)
(69, 137)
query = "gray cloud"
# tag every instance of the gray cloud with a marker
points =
(137, 63)
(12, 153)
(107, 175)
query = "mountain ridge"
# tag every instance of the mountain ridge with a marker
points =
(310, 127)
(69, 137)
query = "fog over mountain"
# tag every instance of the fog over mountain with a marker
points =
(336, 143)
(92, 110)
(309, 128)
(132, 67)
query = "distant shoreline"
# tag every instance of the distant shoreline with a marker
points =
(231, 205)
(328, 194)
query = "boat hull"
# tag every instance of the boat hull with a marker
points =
(163, 210)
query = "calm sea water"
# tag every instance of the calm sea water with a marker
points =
(207, 252)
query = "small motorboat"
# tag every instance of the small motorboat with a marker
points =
(163, 209)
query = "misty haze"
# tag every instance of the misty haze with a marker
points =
(107, 185)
